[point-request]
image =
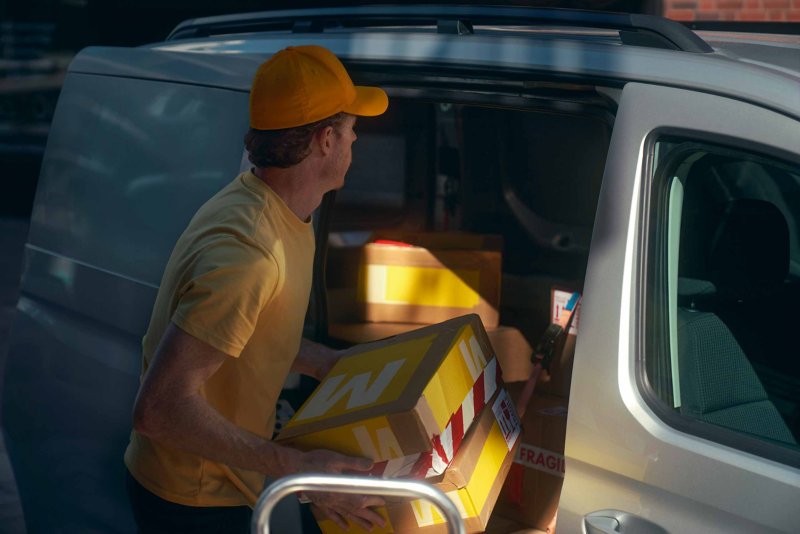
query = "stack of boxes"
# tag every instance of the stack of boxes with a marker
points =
(406, 279)
(428, 404)
(403, 401)
(427, 278)
(533, 487)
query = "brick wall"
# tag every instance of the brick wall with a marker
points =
(744, 10)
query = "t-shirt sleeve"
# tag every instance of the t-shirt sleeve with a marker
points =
(226, 287)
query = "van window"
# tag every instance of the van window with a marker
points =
(723, 283)
(128, 164)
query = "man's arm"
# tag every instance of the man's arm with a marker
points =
(315, 360)
(170, 409)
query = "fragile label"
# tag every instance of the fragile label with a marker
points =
(560, 299)
(541, 459)
(507, 418)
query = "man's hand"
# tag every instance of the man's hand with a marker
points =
(315, 360)
(339, 507)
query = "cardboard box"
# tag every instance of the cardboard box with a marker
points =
(406, 401)
(511, 347)
(429, 277)
(502, 525)
(533, 487)
(472, 482)
(561, 367)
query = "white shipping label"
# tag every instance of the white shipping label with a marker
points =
(507, 418)
(560, 299)
(541, 459)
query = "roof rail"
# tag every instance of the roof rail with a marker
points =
(638, 30)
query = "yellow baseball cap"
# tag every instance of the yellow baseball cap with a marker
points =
(305, 84)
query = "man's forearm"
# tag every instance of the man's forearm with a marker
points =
(314, 359)
(194, 426)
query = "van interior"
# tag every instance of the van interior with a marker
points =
(530, 176)
(451, 160)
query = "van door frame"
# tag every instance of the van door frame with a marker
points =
(620, 454)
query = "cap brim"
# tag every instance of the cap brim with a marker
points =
(369, 102)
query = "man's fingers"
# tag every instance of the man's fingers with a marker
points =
(373, 500)
(335, 517)
(360, 521)
(372, 516)
(351, 462)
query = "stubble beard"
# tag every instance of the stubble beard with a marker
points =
(341, 171)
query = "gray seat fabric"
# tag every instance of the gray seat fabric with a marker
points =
(718, 384)
(747, 253)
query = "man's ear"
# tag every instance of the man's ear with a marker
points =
(324, 140)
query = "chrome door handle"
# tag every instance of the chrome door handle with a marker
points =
(601, 525)
(617, 522)
(349, 484)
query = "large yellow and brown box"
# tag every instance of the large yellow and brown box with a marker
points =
(503, 525)
(510, 345)
(406, 401)
(428, 277)
(472, 482)
(533, 487)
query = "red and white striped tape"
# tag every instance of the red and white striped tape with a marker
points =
(434, 462)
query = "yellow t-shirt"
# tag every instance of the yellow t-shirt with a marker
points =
(239, 279)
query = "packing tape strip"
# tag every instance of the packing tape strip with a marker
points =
(434, 462)
(427, 464)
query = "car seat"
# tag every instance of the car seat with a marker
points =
(746, 254)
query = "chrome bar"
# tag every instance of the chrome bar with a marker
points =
(349, 484)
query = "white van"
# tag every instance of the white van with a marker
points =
(657, 170)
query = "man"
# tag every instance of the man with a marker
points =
(227, 323)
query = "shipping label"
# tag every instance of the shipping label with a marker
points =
(507, 418)
(560, 299)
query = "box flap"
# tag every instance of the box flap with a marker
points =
(379, 378)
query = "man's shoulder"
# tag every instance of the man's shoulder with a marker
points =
(235, 208)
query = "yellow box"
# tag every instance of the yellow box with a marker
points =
(472, 482)
(428, 277)
(403, 401)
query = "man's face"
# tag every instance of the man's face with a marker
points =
(343, 153)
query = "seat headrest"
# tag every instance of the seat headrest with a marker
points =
(691, 287)
(749, 248)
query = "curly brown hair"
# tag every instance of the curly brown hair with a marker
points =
(287, 147)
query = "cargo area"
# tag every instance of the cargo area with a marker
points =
(530, 177)
(450, 209)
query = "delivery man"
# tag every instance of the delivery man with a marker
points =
(227, 324)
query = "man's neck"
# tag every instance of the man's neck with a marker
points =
(295, 186)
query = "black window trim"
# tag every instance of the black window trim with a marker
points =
(647, 241)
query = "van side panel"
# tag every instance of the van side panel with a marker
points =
(128, 162)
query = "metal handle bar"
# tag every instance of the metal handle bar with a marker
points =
(349, 484)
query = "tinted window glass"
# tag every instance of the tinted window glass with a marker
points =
(128, 164)
(725, 280)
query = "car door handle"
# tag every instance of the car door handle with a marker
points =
(618, 522)
(601, 525)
